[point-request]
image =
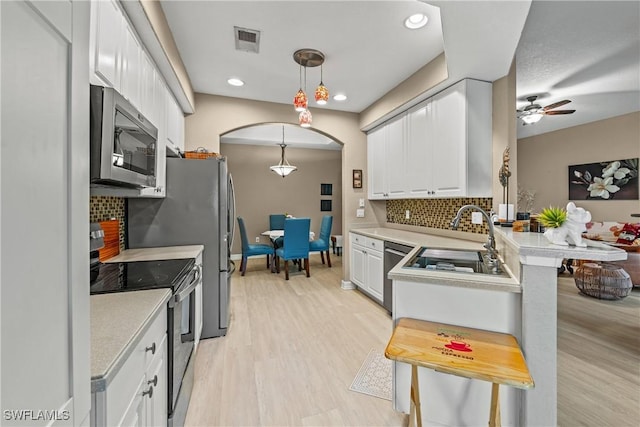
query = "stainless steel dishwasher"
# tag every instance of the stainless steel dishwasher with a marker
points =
(393, 254)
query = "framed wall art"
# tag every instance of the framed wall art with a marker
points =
(357, 178)
(610, 180)
(326, 189)
(325, 205)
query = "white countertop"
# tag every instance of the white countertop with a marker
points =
(448, 278)
(159, 253)
(118, 322)
(535, 244)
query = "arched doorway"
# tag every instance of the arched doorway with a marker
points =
(313, 190)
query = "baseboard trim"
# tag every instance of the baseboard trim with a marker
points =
(347, 285)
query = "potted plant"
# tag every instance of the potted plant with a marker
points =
(553, 218)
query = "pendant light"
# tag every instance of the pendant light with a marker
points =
(283, 168)
(305, 119)
(322, 93)
(300, 100)
(309, 58)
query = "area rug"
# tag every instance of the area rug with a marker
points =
(374, 376)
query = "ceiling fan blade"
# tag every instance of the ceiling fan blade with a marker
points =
(557, 112)
(556, 105)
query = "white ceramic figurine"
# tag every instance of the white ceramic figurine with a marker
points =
(571, 231)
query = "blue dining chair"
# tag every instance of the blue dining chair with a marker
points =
(296, 244)
(276, 222)
(323, 242)
(251, 249)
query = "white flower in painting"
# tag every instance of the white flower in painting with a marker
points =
(601, 187)
(614, 170)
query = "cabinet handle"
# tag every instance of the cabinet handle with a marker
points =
(152, 349)
(154, 381)
(148, 392)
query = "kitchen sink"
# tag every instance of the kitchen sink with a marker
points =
(455, 260)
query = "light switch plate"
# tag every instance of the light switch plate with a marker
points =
(476, 218)
(361, 203)
(359, 213)
(407, 214)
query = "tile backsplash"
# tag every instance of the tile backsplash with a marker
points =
(103, 208)
(437, 213)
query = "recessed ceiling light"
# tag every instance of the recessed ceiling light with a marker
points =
(340, 97)
(235, 82)
(416, 21)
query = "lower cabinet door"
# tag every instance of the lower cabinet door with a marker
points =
(156, 403)
(375, 274)
(135, 414)
(358, 262)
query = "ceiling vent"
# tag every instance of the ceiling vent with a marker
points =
(247, 40)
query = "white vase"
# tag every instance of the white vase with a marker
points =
(557, 235)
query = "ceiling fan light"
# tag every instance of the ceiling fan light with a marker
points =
(300, 100)
(531, 118)
(322, 94)
(305, 119)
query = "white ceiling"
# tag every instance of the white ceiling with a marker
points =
(568, 50)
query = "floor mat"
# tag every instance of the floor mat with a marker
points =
(375, 376)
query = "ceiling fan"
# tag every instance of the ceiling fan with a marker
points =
(533, 113)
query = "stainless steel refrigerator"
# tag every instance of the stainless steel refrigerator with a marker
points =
(199, 208)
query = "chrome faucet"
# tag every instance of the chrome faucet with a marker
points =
(490, 246)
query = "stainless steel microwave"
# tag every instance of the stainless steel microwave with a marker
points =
(124, 144)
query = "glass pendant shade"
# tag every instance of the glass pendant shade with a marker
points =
(322, 94)
(531, 118)
(283, 168)
(300, 101)
(305, 119)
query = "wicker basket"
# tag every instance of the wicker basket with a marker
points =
(603, 281)
(199, 153)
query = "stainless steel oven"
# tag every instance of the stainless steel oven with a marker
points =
(181, 334)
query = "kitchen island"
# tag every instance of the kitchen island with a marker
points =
(523, 303)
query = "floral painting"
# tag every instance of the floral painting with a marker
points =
(611, 180)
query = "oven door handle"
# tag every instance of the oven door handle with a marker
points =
(185, 291)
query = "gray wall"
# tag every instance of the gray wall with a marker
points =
(543, 163)
(260, 192)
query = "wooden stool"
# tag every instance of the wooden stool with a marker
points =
(483, 355)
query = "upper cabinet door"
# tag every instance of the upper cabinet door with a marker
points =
(376, 168)
(395, 161)
(131, 68)
(449, 159)
(107, 38)
(419, 151)
(45, 127)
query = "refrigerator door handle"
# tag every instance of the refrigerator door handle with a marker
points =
(232, 213)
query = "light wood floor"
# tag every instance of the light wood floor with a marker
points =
(294, 347)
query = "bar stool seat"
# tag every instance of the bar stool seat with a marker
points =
(465, 352)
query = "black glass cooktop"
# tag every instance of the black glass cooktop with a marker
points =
(133, 276)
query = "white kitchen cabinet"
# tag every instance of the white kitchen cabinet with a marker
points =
(175, 124)
(137, 393)
(107, 26)
(386, 160)
(420, 145)
(131, 68)
(440, 148)
(44, 171)
(462, 155)
(367, 265)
